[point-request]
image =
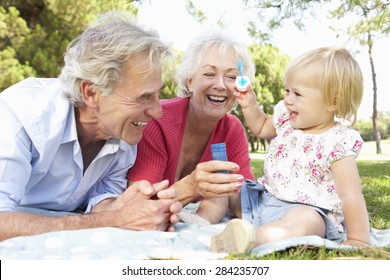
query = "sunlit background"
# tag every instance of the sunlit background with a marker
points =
(175, 25)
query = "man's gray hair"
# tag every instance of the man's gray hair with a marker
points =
(100, 52)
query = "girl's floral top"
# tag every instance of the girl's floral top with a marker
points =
(297, 165)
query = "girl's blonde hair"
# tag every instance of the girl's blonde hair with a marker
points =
(338, 76)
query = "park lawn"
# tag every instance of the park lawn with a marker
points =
(375, 176)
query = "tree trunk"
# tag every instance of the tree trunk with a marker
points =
(251, 141)
(377, 135)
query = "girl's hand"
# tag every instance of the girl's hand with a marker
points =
(246, 99)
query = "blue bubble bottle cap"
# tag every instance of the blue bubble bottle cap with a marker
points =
(242, 82)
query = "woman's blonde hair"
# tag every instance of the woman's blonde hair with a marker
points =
(338, 76)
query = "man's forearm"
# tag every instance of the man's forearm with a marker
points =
(14, 224)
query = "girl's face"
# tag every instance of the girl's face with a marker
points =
(305, 102)
(212, 85)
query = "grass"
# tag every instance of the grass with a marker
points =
(375, 176)
(369, 150)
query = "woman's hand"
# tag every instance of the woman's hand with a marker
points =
(205, 180)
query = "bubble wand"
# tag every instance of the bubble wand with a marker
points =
(242, 82)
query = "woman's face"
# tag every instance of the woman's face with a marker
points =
(212, 85)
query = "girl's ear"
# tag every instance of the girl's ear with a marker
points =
(90, 96)
(333, 106)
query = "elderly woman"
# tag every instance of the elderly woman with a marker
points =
(177, 146)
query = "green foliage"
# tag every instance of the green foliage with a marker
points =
(35, 33)
(12, 27)
(11, 70)
(373, 18)
(169, 73)
(198, 15)
(282, 12)
(366, 130)
(13, 30)
(269, 83)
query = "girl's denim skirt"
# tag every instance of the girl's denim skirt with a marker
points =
(259, 207)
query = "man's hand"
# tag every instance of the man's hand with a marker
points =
(135, 209)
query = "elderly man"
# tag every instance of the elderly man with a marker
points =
(66, 144)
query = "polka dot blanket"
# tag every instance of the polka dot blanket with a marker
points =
(187, 242)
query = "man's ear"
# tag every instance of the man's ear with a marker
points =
(90, 96)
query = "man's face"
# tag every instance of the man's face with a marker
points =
(124, 114)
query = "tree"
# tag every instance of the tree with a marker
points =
(374, 22)
(268, 83)
(366, 130)
(35, 33)
(13, 29)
